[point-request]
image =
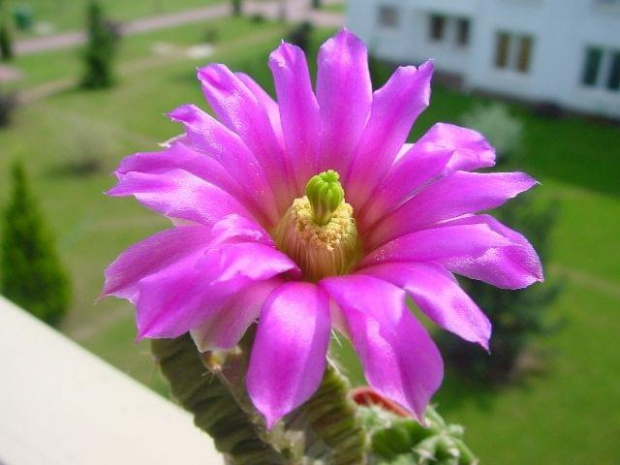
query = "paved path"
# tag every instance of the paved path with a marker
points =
(296, 10)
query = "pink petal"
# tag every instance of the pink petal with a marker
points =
(185, 294)
(179, 194)
(179, 156)
(268, 104)
(299, 109)
(344, 93)
(248, 260)
(347, 288)
(225, 328)
(209, 136)
(395, 107)
(236, 228)
(442, 242)
(399, 358)
(441, 151)
(513, 267)
(455, 195)
(439, 296)
(180, 297)
(238, 108)
(290, 349)
(152, 255)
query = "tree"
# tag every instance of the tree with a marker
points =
(6, 43)
(8, 103)
(237, 7)
(32, 276)
(103, 38)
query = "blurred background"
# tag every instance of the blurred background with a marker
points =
(83, 84)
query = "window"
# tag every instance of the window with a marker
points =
(525, 51)
(503, 48)
(601, 69)
(513, 52)
(591, 69)
(448, 29)
(437, 27)
(613, 83)
(462, 31)
(388, 16)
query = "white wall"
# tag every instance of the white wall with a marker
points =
(561, 29)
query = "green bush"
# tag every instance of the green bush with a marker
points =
(103, 39)
(32, 276)
(6, 44)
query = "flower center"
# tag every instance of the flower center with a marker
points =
(318, 230)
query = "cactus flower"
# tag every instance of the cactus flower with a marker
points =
(312, 212)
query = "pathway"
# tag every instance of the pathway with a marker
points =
(296, 10)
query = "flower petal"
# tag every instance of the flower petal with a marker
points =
(442, 242)
(439, 296)
(399, 358)
(180, 297)
(362, 294)
(183, 295)
(395, 107)
(268, 104)
(210, 137)
(289, 354)
(224, 328)
(179, 156)
(248, 260)
(301, 123)
(151, 255)
(179, 194)
(236, 228)
(442, 150)
(238, 108)
(513, 267)
(455, 195)
(344, 93)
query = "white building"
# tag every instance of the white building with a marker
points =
(561, 51)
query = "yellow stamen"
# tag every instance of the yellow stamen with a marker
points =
(320, 250)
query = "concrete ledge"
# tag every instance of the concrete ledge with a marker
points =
(62, 405)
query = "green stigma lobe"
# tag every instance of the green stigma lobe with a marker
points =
(325, 194)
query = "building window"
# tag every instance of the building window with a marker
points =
(462, 32)
(437, 27)
(388, 16)
(513, 52)
(502, 51)
(601, 68)
(525, 52)
(591, 69)
(613, 83)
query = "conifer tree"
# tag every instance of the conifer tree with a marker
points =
(6, 42)
(101, 50)
(31, 276)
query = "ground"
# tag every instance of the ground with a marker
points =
(568, 414)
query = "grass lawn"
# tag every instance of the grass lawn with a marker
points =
(570, 414)
(64, 15)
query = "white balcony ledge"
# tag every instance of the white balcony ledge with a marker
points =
(61, 405)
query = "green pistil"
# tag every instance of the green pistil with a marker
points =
(325, 194)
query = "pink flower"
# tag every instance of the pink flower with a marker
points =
(390, 220)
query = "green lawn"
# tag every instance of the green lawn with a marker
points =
(64, 15)
(570, 414)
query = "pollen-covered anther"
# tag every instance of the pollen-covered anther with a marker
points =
(320, 251)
